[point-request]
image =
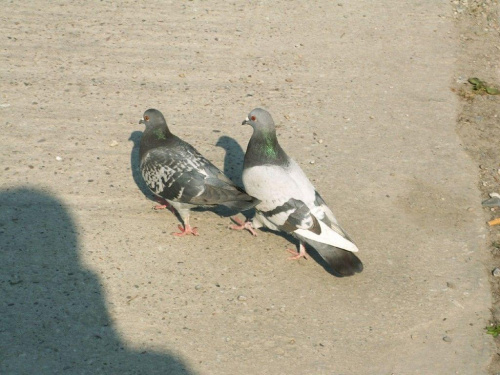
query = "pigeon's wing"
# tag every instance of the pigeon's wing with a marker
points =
(174, 174)
(182, 174)
(294, 216)
(314, 201)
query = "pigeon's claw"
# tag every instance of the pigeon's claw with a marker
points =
(297, 255)
(188, 229)
(243, 225)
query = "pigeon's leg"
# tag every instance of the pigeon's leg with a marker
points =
(164, 204)
(188, 229)
(243, 225)
(297, 255)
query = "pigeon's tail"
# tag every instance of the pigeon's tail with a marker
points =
(341, 261)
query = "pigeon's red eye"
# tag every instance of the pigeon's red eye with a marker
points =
(146, 118)
(252, 118)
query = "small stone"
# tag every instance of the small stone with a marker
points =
(58, 158)
(312, 162)
(242, 298)
(288, 80)
(320, 141)
(496, 272)
(447, 339)
(198, 287)
(182, 75)
(113, 143)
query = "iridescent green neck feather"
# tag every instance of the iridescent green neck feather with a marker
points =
(263, 149)
(159, 133)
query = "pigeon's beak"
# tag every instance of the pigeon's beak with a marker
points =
(141, 121)
(245, 121)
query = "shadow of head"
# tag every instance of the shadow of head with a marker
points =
(233, 160)
(135, 137)
(135, 165)
(53, 315)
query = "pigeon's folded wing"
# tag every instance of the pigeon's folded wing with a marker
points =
(174, 175)
(295, 217)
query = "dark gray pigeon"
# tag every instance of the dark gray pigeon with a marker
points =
(288, 200)
(177, 173)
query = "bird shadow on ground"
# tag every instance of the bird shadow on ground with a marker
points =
(311, 252)
(54, 316)
(233, 160)
(135, 137)
(233, 169)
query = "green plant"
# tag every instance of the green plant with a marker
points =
(493, 330)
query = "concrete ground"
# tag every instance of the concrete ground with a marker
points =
(91, 280)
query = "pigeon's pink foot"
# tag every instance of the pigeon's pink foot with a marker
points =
(163, 206)
(243, 225)
(188, 229)
(297, 255)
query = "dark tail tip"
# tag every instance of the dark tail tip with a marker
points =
(342, 262)
(345, 263)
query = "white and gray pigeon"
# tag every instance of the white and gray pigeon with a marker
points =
(288, 200)
(176, 172)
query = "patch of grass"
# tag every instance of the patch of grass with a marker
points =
(481, 86)
(493, 330)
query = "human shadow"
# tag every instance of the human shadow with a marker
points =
(53, 317)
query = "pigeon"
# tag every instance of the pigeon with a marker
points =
(176, 172)
(288, 200)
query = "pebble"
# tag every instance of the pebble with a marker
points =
(496, 272)
(113, 143)
(242, 298)
(493, 201)
(312, 162)
(58, 158)
(447, 339)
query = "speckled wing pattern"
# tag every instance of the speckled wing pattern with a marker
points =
(174, 174)
(182, 174)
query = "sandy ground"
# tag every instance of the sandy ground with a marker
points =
(478, 123)
(91, 280)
